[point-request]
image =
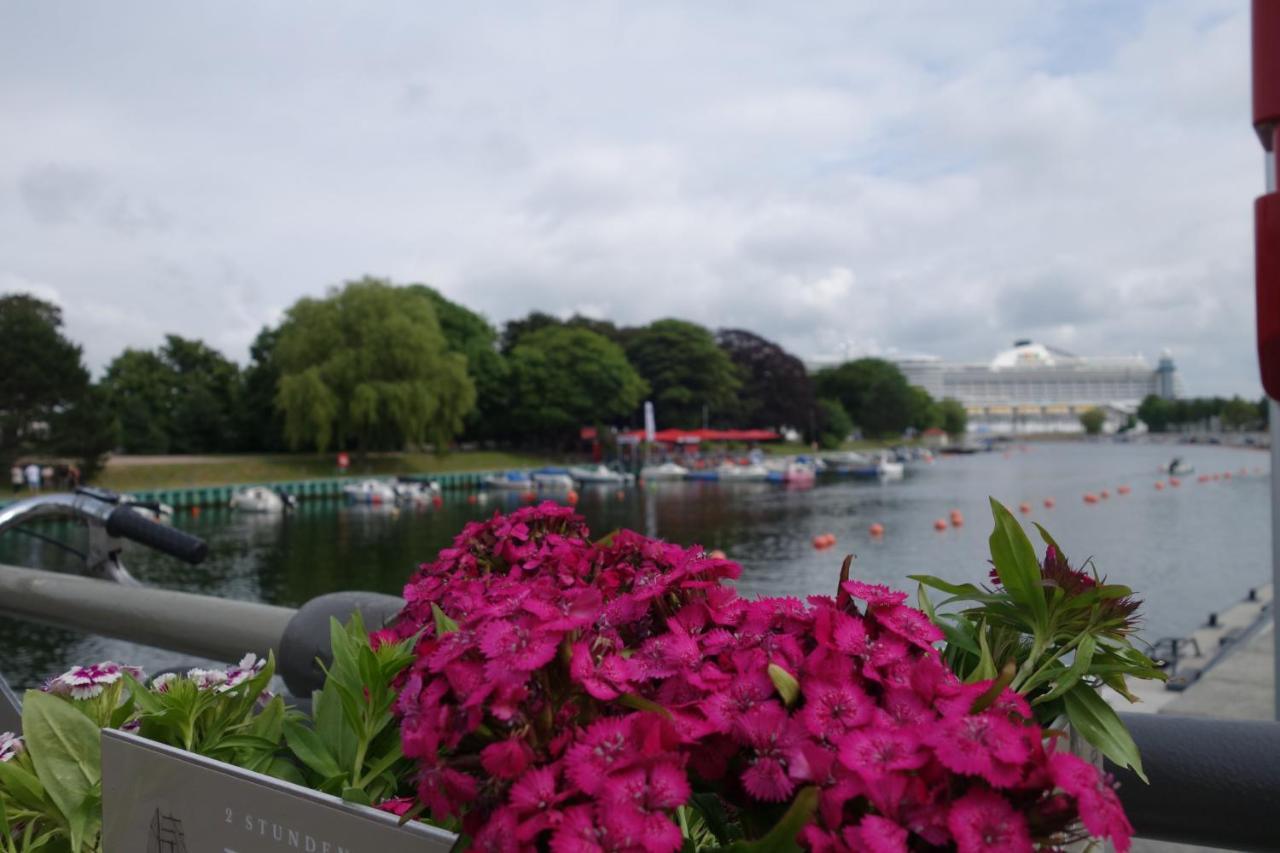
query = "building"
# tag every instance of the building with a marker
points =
(1035, 388)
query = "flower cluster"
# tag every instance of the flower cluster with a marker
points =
(10, 746)
(617, 695)
(217, 680)
(89, 682)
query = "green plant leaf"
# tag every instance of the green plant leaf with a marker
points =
(782, 837)
(85, 822)
(1071, 675)
(1098, 723)
(785, 683)
(444, 625)
(956, 589)
(1016, 564)
(286, 770)
(357, 796)
(310, 749)
(66, 749)
(1048, 540)
(22, 786)
(639, 703)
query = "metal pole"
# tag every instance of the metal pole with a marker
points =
(1273, 419)
(216, 628)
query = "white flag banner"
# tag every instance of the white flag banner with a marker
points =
(650, 427)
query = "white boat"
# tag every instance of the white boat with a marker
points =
(600, 475)
(260, 499)
(514, 480)
(791, 471)
(552, 479)
(742, 473)
(850, 462)
(370, 492)
(161, 513)
(665, 471)
(413, 492)
(889, 469)
(1178, 468)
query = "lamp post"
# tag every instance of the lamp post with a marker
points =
(1266, 121)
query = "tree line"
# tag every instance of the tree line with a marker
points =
(377, 366)
(1161, 415)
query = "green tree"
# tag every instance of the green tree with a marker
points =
(368, 364)
(139, 389)
(874, 393)
(86, 430)
(471, 335)
(1156, 412)
(925, 413)
(834, 424)
(41, 374)
(955, 420)
(776, 389)
(687, 373)
(205, 411)
(1092, 420)
(261, 426)
(1238, 413)
(564, 378)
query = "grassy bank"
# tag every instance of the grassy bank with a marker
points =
(133, 474)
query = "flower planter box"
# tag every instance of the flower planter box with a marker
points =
(162, 800)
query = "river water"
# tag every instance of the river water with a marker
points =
(1187, 551)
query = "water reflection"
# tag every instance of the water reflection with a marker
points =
(1187, 551)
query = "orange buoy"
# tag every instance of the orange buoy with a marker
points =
(1175, 482)
(876, 529)
(957, 520)
(1048, 503)
(823, 541)
(717, 554)
(1123, 490)
(1203, 478)
(622, 496)
(195, 512)
(1090, 498)
(572, 498)
(1104, 494)
(940, 524)
(471, 498)
(1024, 508)
(437, 501)
(1159, 485)
(529, 497)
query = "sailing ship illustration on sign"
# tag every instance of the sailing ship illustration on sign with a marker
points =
(166, 835)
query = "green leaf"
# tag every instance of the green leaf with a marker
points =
(22, 786)
(281, 769)
(66, 749)
(357, 796)
(992, 693)
(144, 698)
(639, 703)
(85, 822)
(1071, 676)
(310, 749)
(1098, 723)
(1048, 540)
(958, 590)
(444, 625)
(5, 832)
(782, 837)
(1016, 564)
(785, 683)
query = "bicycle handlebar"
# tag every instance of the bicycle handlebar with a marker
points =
(123, 521)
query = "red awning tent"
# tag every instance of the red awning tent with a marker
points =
(695, 436)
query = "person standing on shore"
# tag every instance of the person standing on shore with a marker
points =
(33, 476)
(15, 477)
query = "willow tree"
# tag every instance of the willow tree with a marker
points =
(368, 364)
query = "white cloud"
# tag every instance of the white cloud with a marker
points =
(830, 175)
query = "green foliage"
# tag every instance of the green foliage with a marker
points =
(469, 334)
(954, 417)
(259, 422)
(925, 413)
(562, 378)
(352, 748)
(183, 398)
(1092, 421)
(776, 389)
(1161, 415)
(41, 374)
(1239, 414)
(687, 373)
(1155, 412)
(369, 364)
(874, 393)
(834, 424)
(1058, 633)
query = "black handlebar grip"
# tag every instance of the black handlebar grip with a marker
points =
(129, 524)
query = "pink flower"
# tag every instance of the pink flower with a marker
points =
(830, 711)
(874, 753)
(535, 801)
(445, 790)
(982, 820)
(10, 746)
(982, 745)
(1100, 808)
(910, 624)
(506, 759)
(873, 593)
(777, 759)
(603, 749)
(640, 801)
(85, 682)
(875, 834)
(398, 806)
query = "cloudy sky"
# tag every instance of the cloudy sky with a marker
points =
(844, 177)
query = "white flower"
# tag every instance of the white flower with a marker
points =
(10, 746)
(160, 684)
(207, 679)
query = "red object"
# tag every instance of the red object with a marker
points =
(1159, 486)
(1266, 68)
(1024, 508)
(1048, 503)
(1090, 498)
(694, 436)
(1266, 214)
(940, 524)
(587, 433)
(344, 461)
(877, 529)
(1124, 490)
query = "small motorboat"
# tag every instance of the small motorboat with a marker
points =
(710, 475)
(517, 481)
(600, 475)
(416, 492)
(889, 469)
(1178, 468)
(738, 473)
(665, 471)
(261, 499)
(850, 463)
(552, 479)
(161, 513)
(793, 471)
(375, 492)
